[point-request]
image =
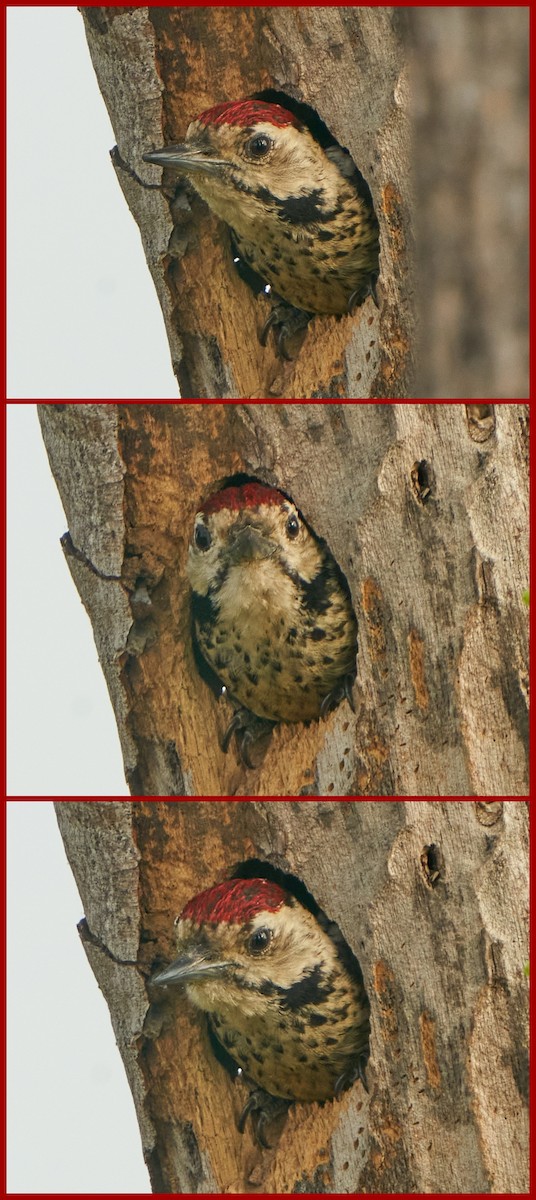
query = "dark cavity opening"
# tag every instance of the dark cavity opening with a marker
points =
(422, 480)
(433, 864)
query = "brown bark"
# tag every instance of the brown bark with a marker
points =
(424, 508)
(432, 897)
(157, 69)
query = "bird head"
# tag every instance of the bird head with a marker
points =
(251, 160)
(247, 945)
(244, 537)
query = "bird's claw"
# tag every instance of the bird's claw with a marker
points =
(350, 1076)
(360, 294)
(251, 733)
(343, 691)
(263, 1110)
(235, 724)
(286, 321)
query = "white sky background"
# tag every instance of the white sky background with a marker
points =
(84, 323)
(71, 1121)
(62, 736)
(84, 319)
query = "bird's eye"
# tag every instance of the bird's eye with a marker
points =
(258, 145)
(202, 536)
(292, 526)
(259, 940)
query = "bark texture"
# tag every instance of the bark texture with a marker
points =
(425, 507)
(450, 188)
(157, 69)
(470, 86)
(432, 897)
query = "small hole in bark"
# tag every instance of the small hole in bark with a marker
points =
(432, 863)
(422, 480)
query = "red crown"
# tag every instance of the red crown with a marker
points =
(247, 112)
(235, 901)
(250, 495)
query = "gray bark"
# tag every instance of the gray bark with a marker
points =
(431, 896)
(425, 508)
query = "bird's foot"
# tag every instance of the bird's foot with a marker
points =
(264, 1110)
(289, 325)
(252, 735)
(343, 691)
(360, 294)
(348, 1077)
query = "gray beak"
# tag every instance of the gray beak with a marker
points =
(193, 965)
(185, 158)
(249, 545)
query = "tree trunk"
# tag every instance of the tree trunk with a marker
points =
(456, 175)
(157, 69)
(431, 896)
(425, 509)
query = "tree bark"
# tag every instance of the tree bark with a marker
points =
(449, 183)
(431, 896)
(157, 69)
(470, 85)
(424, 507)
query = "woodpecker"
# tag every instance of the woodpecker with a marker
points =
(271, 608)
(301, 216)
(283, 992)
